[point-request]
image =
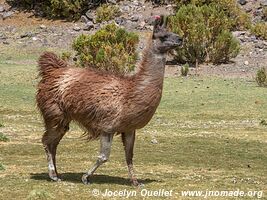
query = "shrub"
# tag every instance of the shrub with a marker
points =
(241, 20)
(66, 55)
(3, 138)
(185, 69)
(107, 12)
(261, 77)
(225, 47)
(260, 30)
(71, 9)
(111, 48)
(206, 33)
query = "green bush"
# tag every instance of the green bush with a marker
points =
(66, 55)
(70, 9)
(240, 19)
(185, 69)
(260, 30)
(111, 48)
(206, 33)
(261, 77)
(107, 12)
(3, 138)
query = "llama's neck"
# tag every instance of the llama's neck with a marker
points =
(151, 69)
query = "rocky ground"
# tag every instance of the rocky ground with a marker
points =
(25, 30)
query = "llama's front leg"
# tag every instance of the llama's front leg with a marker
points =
(128, 142)
(105, 147)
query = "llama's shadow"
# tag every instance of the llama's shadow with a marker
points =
(96, 179)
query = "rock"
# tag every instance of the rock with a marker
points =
(259, 45)
(142, 25)
(7, 14)
(120, 21)
(112, 1)
(136, 3)
(34, 38)
(238, 33)
(263, 2)
(76, 28)
(42, 26)
(88, 26)
(154, 141)
(135, 18)
(246, 62)
(242, 2)
(84, 19)
(90, 15)
(2, 9)
(5, 42)
(27, 34)
(125, 8)
(248, 10)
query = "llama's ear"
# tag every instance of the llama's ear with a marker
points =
(159, 21)
(165, 21)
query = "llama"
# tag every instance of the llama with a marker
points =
(103, 103)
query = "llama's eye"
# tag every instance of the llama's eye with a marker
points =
(163, 38)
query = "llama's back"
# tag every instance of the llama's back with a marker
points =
(91, 98)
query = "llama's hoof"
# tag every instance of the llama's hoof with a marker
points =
(55, 178)
(137, 184)
(85, 179)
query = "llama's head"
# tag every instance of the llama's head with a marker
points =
(163, 39)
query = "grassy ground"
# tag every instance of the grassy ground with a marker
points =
(208, 132)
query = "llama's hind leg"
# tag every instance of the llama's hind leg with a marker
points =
(105, 148)
(50, 140)
(128, 143)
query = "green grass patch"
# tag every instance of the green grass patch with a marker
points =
(3, 137)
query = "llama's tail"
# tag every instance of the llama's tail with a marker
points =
(49, 61)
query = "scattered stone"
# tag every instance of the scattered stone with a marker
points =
(76, 28)
(34, 38)
(246, 62)
(7, 14)
(27, 34)
(42, 26)
(142, 25)
(84, 19)
(88, 26)
(89, 15)
(125, 8)
(263, 3)
(154, 141)
(239, 33)
(242, 2)
(112, 1)
(120, 21)
(2, 9)
(135, 18)
(248, 10)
